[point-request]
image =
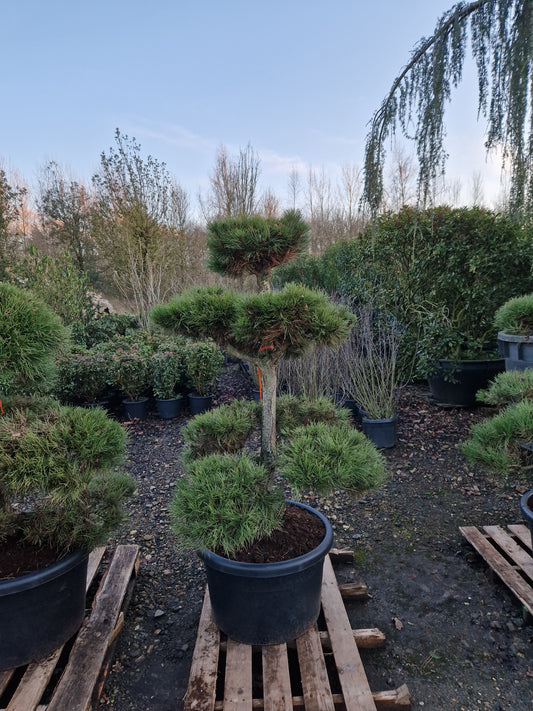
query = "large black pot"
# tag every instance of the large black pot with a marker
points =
(517, 351)
(267, 603)
(526, 507)
(455, 383)
(40, 611)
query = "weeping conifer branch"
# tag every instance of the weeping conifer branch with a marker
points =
(501, 41)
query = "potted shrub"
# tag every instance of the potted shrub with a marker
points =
(456, 363)
(203, 364)
(130, 373)
(367, 367)
(514, 323)
(167, 371)
(61, 489)
(227, 501)
(264, 555)
(82, 377)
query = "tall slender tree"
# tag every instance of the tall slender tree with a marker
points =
(501, 40)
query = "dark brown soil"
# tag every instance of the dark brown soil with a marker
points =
(300, 533)
(19, 558)
(455, 634)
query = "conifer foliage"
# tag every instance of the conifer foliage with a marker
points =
(501, 41)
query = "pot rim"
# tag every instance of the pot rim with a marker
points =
(514, 337)
(44, 575)
(279, 568)
(526, 503)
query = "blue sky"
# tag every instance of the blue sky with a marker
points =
(298, 79)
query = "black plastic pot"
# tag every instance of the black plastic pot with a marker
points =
(354, 408)
(199, 403)
(455, 383)
(526, 507)
(40, 611)
(137, 409)
(517, 351)
(167, 409)
(267, 603)
(382, 433)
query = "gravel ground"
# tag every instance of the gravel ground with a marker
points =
(455, 635)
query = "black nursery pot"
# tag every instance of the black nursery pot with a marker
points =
(455, 383)
(199, 403)
(40, 611)
(267, 603)
(526, 507)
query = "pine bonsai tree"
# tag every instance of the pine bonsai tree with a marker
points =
(262, 327)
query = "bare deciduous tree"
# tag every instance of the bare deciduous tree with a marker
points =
(233, 185)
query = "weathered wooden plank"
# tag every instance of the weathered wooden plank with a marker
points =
(498, 563)
(313, 672)
(38, 674)
(75, 688)
(522, 532)
(341, 555)
(201, 689)
(354, 591)
(370, 638)
(5, 678)
(384, 700)
(238, 681)
(364, 638)
(276, 680)
(519, 556)
(395, 699)
(355, 687)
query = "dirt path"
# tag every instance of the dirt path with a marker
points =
(455, 636)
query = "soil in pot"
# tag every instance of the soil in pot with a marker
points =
(300, 534)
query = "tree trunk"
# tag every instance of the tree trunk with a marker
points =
(269, 381)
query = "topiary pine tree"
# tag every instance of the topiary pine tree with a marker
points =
(263, 327)
(241, 246)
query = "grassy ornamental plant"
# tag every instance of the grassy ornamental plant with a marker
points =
(368, 362)
(515, 316)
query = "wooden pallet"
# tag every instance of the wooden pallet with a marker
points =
(73, 681)
(509, 555)
(215, 659)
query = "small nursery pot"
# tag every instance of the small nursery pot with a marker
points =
(382, 433)
(199, 403)
(168, 409)
(267, 603)
(137, 408)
